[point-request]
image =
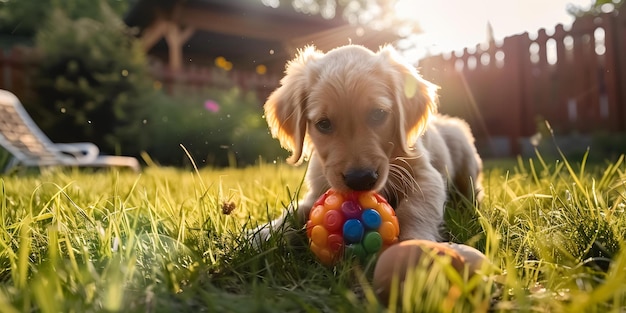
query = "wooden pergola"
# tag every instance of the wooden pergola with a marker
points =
(245, 32)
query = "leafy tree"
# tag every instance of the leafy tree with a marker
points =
(23, 17)
(377, 14)
(92, 81)
(597, 7)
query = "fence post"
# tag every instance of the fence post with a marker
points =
(612, 72)
(517, 57)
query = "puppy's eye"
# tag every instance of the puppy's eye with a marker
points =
(377, 117)
(324, 126)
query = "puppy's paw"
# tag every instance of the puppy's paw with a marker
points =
(259, 236)
(286, 229)
(271, 235)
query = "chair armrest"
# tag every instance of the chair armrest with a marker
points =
(82, 151)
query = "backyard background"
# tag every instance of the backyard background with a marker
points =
(147, 76)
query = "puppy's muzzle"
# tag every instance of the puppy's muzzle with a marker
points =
(360, 179)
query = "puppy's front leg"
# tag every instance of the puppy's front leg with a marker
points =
(421, 213)
(317, 185)
(292, 219)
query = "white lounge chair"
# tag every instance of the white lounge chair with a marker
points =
(29, 146)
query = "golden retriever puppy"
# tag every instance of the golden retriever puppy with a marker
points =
(368, 121)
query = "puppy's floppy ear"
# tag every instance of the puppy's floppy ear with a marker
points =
(285, 107)
(416, 98)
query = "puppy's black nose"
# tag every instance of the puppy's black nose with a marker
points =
(360, 179)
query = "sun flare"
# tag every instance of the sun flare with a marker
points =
(446, 25)
(455, 24)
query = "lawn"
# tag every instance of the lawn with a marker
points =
(172, 240)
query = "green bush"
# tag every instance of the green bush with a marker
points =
(92, 82)
(607, 146)
(5, 157)
(236, 134)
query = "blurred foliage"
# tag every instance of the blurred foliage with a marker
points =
(234, 135)
(92, 82)
(607, 146)
(597, 7)
(24, 17)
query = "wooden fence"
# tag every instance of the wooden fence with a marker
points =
(575, 79)
(194, 79)
(17, 64)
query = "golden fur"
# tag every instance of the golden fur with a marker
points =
(353, 110)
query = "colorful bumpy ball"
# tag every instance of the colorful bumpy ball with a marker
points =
(356, 224)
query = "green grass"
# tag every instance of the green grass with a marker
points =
(107, 241)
